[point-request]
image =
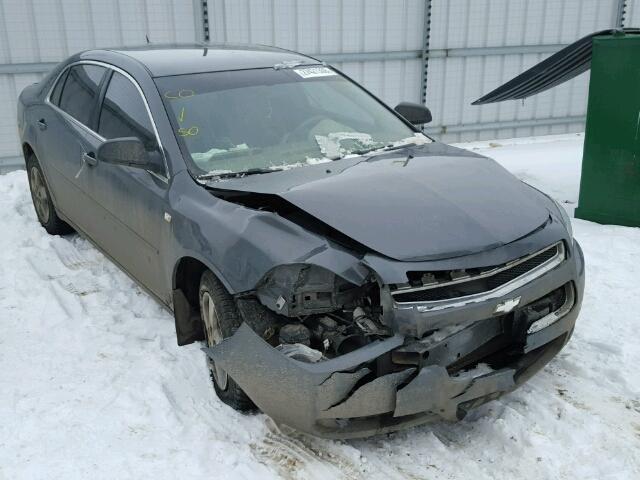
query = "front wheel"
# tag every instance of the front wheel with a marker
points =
(220, 319)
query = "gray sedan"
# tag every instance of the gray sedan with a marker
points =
(347, 274)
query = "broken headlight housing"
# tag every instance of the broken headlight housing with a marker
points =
(317, 308)
(301, 289)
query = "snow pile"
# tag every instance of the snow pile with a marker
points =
(92, 384)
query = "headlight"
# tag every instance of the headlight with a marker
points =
(566, 219)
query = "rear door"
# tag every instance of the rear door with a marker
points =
(65, 135)
(130, 202)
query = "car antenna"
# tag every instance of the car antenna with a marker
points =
(146, 35)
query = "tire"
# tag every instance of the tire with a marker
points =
(42, 203)
(220, 319)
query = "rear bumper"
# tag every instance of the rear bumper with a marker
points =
(402, 382)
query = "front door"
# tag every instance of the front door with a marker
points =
(131, 201)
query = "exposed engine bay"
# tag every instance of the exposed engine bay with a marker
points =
(313, 315)
(327, 316)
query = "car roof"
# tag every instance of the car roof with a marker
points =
(179, 59)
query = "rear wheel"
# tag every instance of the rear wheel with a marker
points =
(220, 319)
(42, 202)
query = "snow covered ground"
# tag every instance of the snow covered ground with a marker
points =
(92, 384)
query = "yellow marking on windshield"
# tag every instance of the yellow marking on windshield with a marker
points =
(184, 93)
(188, 132)
(181, 117)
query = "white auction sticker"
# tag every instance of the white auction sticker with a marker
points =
(311, 72)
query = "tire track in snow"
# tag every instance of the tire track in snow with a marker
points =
(70, 256)
(295, 456)
(80, 289)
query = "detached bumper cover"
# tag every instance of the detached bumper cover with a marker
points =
(348, 397)
(319, 398)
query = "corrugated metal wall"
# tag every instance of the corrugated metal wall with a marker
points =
(454, 82)
(473, 46)
(335, 28)
(35, 34)
(632, 17)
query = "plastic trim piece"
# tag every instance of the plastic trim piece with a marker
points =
(553, 317)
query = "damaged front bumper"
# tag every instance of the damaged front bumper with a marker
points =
(402, 381)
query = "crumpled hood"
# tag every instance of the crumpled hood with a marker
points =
(443, 202)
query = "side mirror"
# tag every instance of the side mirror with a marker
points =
(124, 151)
(414, 113)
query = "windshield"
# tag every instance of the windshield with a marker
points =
(273, 119)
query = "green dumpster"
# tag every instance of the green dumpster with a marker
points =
(610, 182)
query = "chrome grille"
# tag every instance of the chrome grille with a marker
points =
(471, 283)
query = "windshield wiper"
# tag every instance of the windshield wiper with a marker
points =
(399, 147)
(241, 173)
(388, 148)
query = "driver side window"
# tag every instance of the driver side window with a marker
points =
(123, 114)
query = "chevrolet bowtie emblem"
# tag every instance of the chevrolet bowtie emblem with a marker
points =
(507, 305)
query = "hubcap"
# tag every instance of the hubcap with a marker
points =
(214, 337)
(39, 195)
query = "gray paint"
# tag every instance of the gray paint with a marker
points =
(440, 205)
(445, 393)
(373, 398)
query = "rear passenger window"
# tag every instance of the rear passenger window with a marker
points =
(124, 114)
(81, 91)
(57, 90)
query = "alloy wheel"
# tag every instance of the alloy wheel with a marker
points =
(39, 195)
(214, 337)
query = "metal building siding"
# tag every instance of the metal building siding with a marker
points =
(48, 31)
(10, 87)
(43, 31)
(454, 82)
(632, 14)
(333, 27)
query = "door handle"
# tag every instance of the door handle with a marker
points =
(90, 159)
(42, 124)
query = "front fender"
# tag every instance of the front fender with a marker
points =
(241, 245)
